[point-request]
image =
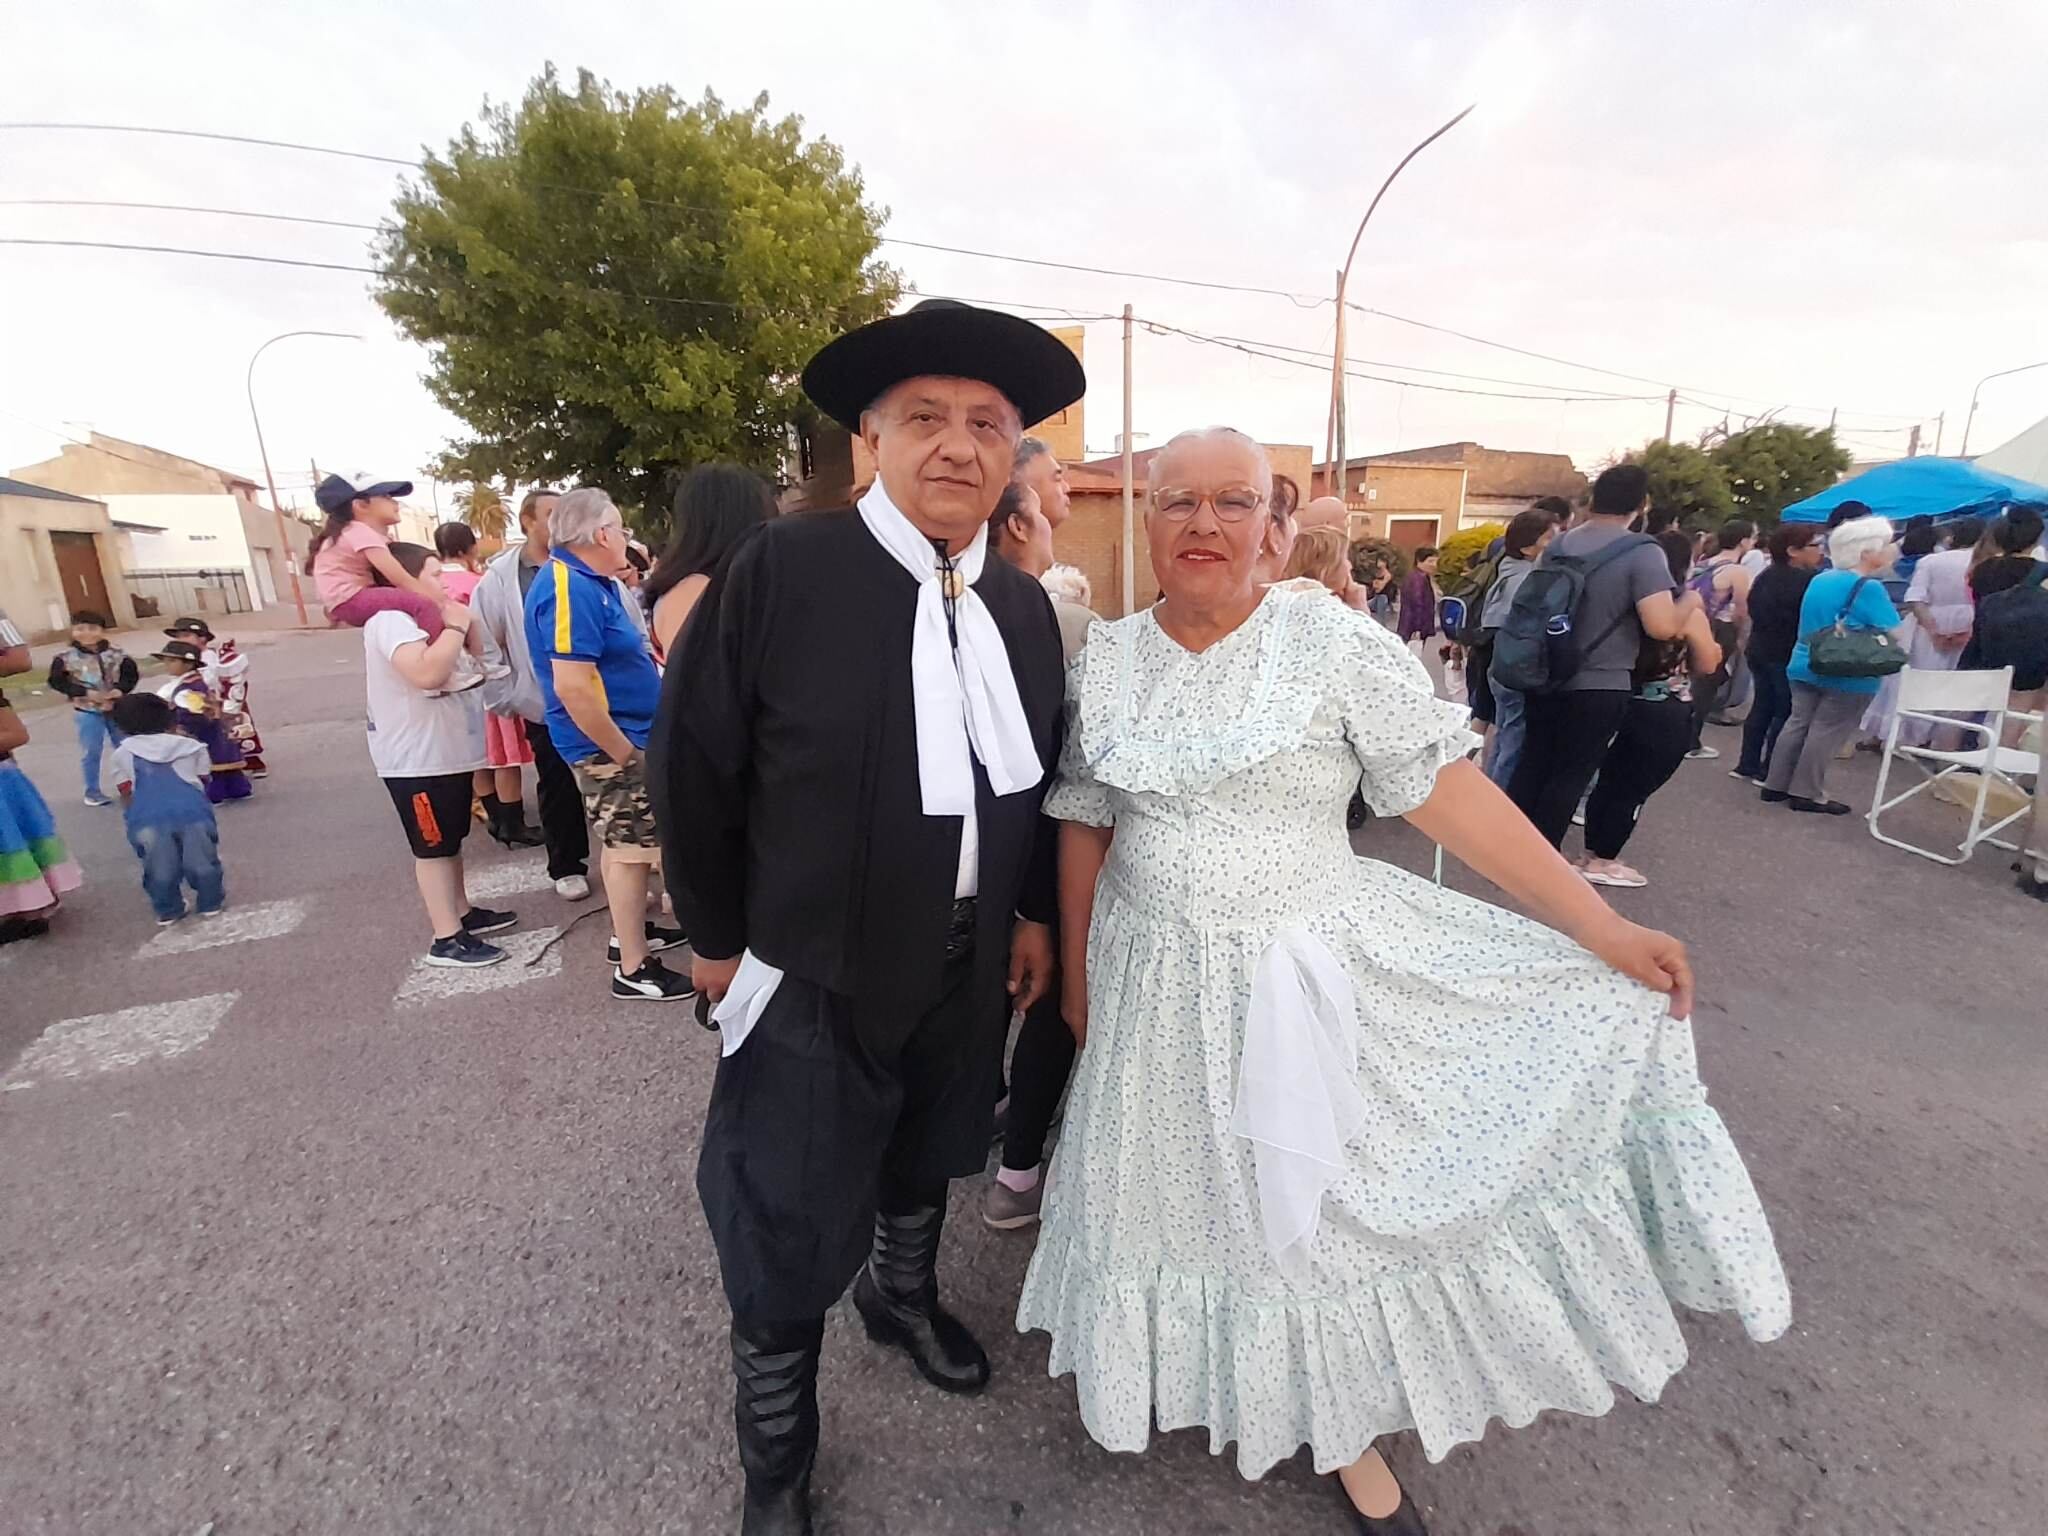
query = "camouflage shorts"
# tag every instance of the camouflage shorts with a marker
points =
(615, 800)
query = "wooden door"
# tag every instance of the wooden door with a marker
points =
(1411, 532)
(78, 570)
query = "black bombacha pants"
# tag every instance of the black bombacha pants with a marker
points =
(811, 1130)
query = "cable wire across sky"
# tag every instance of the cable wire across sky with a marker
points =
(1299, 299)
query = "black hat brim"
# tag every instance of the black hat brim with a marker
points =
(1033, 369)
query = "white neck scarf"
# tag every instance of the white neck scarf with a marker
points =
(965, 698)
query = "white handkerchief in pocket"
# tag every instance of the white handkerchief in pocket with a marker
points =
(745, 1001)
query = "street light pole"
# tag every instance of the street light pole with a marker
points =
(291, 563)
(1338, 465)
(1970, 419)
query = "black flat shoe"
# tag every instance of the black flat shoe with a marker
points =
(1819, 807)
(1774, 796)
(1404, 1521)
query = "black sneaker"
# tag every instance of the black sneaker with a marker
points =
(483, 920)
(653, 982)
(465, 950)
(660, 939)
(1774, 796)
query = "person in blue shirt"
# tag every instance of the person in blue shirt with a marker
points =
(1825, 710)
(600, 685)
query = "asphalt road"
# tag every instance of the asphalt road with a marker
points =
(329, 1249)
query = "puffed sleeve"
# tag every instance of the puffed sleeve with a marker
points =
(1075, 794)
(1400, 731)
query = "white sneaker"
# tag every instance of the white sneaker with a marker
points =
(1702, 754)
(573, 888)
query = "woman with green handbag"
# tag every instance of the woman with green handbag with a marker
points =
(1848, 644)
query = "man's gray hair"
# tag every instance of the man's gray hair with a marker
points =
(578, 516)
(1852, 540)
(1028, 449)
(1205, 434)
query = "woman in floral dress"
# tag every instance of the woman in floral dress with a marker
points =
(1347, 1152)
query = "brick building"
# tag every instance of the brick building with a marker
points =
(1423, 495)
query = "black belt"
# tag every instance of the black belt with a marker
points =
(960, 927)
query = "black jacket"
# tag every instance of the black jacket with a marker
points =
(783, 769)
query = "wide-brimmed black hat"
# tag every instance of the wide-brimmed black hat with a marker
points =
(178, 650)
(947, 338)
(190, 626)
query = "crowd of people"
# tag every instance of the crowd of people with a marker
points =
(1344, 1152)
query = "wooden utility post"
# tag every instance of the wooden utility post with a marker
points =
(1130, 561)
(1670, 411)
(1913, 442)
(1940, 423)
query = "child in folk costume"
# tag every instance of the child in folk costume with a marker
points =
(198, 706)
(35, 868)
(227, 673)
(162, 775)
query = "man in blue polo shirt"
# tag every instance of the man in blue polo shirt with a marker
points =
(601, 687)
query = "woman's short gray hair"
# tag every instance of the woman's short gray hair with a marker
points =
(578, 516)
(1852, 540)
(1204, 434)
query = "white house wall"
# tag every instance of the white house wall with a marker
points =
(201, 533)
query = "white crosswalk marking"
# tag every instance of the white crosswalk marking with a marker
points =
(237, 925)
(502, 880)
(105, 1042)
(437, 983)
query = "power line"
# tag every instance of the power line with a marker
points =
(1204, 339)
(231, 213)
(184, 250)
(1299, 299)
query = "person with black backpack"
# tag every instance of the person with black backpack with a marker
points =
(1570, 642)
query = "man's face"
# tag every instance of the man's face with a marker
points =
(606, 553)
(943, 449)
(88, 635)
(535, 522)
(1048, 477)
(1806, 557)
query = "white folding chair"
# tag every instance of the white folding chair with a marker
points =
(1937, 698)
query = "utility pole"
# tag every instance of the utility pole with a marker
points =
(1971, 419)
(1130, 505)
(1332, 485)
(1343, 276)
(1670, 411)
(1913, 442)
(1940, 424)
(1833, 412)
(276, 508)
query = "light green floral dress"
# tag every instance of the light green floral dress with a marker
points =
(1527, 1172)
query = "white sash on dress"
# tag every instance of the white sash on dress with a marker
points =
(1298, 1101)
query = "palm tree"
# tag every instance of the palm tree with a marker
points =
(483, 507)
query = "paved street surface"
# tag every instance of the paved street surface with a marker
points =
(296, 1237)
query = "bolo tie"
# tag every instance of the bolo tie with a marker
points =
(952, 587)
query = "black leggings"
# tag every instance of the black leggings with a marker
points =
(1038, 1076)
(1654, 738)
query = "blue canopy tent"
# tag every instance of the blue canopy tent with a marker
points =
(1937, 488)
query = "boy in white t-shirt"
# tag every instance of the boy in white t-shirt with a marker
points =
(426, 743)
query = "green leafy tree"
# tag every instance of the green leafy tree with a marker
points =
(1773, 464)
(1686, 479)
(482, 506)
(1458, 552)
(614, 287)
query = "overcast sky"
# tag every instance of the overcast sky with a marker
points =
(1839, 203)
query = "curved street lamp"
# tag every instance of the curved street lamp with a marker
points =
(291, 563)
(1334, 453)
(1969, 419)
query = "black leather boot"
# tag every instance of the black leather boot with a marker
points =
(897, 1296)
(775, 1410)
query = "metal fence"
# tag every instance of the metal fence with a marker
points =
(166, 594)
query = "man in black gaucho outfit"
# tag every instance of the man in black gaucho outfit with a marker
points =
(854, 742)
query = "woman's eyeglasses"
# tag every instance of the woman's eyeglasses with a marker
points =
(1233, 504)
